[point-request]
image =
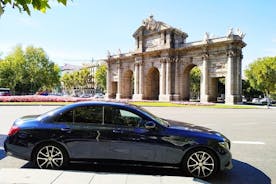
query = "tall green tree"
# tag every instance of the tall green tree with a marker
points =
(78, 79)
(100, 77)
(248, 91)
(10, 69)
(27, 5)
(261, 75)
(28, 71)
(68, 82)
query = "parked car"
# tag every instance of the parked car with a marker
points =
(262, 101)
(86, 96)
(106, 131)
(98, 95)
(256, 101)
(266, 101)
(5, 92)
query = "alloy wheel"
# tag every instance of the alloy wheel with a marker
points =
(49, 157)
(201, 164)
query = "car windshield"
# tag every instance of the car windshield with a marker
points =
(159, 120)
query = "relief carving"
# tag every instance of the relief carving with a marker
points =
(151, 24)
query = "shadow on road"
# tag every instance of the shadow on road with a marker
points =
(242, 173)
(2, 151)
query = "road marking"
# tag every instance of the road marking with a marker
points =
(1, 147)
(247, 142)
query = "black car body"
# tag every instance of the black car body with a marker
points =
(114, 131)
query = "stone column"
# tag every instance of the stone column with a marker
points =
(162, 82)
(204, 85)
(239, 79)
(118, 95)
(168, 80)
(136, 78)
(168, 77)
(141, 77)
(176, 95)
(229, 80)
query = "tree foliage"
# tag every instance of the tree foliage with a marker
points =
(261, 75)
(248, 91)
(78, 79)
(26, 5)
(28, 71)
(100, 77)
(195, 82)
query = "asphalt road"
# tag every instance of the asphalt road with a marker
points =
(252, 132)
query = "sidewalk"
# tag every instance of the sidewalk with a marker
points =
(31, 176)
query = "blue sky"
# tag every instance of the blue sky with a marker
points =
(86, 29)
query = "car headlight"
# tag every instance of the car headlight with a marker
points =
(224, 145)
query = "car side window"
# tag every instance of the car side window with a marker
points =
(116, 116)
(83, 114)
(88, 114)
(65, 117)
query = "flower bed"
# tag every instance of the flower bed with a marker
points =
(39, 98)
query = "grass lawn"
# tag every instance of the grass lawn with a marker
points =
(169, 104)
(146, 104)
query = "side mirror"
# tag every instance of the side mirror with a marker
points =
(150, 125)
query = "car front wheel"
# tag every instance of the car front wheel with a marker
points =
(200, 163)
(50, 156)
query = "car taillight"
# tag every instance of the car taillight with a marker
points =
(13, 130)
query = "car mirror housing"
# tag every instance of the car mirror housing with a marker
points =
(150, 125)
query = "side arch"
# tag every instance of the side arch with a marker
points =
(128, 84)
(152, 84)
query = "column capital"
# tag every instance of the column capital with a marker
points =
(118, 62)
(205, 56)
(164, 59)
(231, 53)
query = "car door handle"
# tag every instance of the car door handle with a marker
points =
(117, 131)
(66, 130)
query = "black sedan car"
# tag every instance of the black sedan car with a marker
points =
(107, 131)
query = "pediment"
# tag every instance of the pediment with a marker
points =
(150, 25)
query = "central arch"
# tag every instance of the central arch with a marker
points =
(152, 84)
(187, 90)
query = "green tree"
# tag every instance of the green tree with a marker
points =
(78, 79)
(195, 82)
(26, 5)
(84, 77)
(261, 75)
(10, 69)
(68, 82)
(248, 91)
(100, 77)
(28, 71)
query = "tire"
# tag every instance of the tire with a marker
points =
(50, 156)
(200, 163)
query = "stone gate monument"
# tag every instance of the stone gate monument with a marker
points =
(159, 68)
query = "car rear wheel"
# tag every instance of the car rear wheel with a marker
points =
(200, 163)
(50, 156)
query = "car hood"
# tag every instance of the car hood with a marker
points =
(188, 127)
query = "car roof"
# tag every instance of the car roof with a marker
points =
(105, 103)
